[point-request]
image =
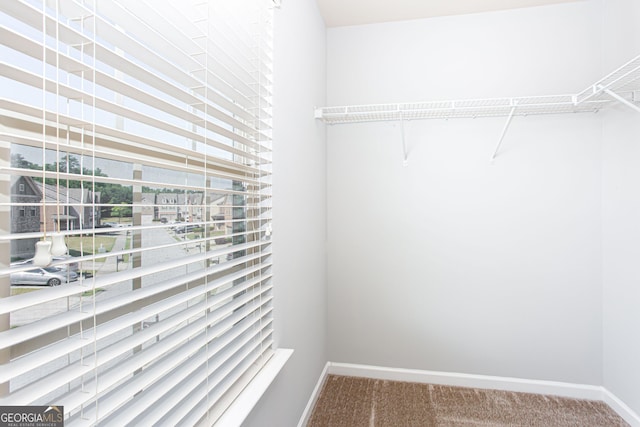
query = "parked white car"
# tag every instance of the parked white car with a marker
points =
(73, 266)
(48, 276)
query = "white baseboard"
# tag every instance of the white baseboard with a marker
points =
(554, 388)
(314, 396)
(621, 408)
(576, 391)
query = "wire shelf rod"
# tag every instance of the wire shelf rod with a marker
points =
(613, 88)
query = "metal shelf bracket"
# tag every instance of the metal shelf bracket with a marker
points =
(405, 161)
(621, 99)
(504, 132)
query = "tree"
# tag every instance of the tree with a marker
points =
(69, 164)
(121, 210)
(18, 161)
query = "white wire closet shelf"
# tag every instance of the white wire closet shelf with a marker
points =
(622, 85)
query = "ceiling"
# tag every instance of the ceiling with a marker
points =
(339, 13)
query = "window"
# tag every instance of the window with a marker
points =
(115, 116)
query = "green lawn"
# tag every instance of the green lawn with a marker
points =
(89, 245)
(92, 292)
(20, 291)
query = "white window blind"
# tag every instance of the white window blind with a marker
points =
(138, 133)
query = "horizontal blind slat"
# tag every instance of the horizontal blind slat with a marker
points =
(226, 391)
(170, 53)
(71, 65)
(109, 137)
(183, 46)
(159, 376)
(34, 359)
(69, 36)
(26, 77)
(22, 301)
(127, 182)
(69, 373)
(180, 388)
(221, 379)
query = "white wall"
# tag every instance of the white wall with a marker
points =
(452, 263)
(299, 198)
(621, 214)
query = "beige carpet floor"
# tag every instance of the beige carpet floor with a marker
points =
(353, 402)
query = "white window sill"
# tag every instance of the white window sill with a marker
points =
(238, 411)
